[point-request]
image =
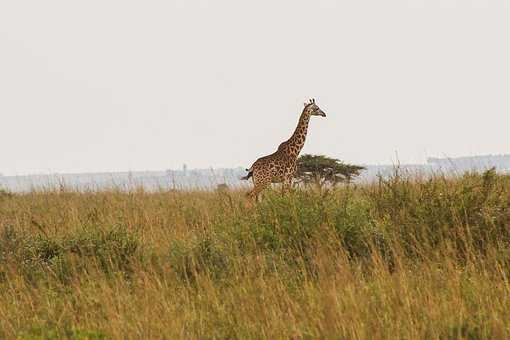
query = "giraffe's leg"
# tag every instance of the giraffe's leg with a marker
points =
(255, 193)
(260, 182)
(287, 182)
(262, 178)
(283, 187)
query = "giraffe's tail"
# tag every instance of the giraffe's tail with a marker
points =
(247, 177)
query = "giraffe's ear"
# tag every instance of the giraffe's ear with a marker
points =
(305, 104)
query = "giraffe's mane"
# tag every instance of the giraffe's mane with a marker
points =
(310, 103)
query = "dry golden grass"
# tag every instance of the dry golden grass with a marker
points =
(403, 258)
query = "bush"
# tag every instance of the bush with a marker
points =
(110, 250)
(54, 333)
(202, 256)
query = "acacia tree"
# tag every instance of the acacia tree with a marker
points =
(323, 171)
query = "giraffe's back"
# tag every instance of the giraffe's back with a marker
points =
(273, 168)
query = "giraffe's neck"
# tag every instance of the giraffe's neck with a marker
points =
(296, 142)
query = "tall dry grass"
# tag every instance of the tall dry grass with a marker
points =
(401, 258)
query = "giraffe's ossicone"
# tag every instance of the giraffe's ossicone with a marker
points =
(280, 167)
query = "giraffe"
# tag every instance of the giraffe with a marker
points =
(280, 166)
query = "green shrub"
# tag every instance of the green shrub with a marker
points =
(37, 256)
(53, 332)
(202, 256)
(114, 248)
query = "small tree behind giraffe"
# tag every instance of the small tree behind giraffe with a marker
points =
(324, 171)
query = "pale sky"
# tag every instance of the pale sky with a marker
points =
(106, 85)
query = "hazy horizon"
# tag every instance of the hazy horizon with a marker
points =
(478, 162)
(108, 86)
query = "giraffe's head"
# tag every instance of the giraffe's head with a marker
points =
(313, 109)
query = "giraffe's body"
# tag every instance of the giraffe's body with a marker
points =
(280, 167)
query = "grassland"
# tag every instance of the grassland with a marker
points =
(401, 258)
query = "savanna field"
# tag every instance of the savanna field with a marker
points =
(400, 258)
